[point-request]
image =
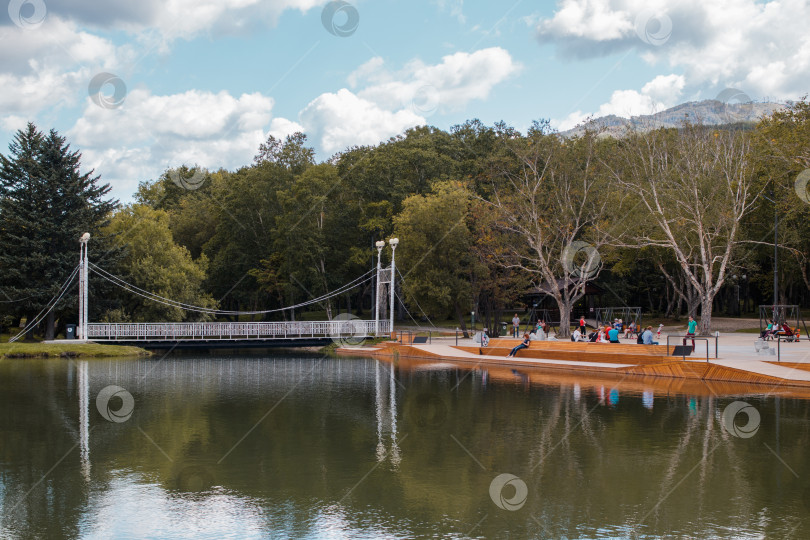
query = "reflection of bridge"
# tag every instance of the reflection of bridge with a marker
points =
(233, 334)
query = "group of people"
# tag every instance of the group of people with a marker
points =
(540, 332)
(606, 334)
(774, 328)
(610, 334)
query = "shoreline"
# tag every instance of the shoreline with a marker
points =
(736, 364)
(64, 349)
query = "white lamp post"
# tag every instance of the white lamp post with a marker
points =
(83, 271)
(380, 245)
(393, 243)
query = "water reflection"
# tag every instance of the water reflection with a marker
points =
(308, 447)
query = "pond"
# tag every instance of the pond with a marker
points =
(302, 446)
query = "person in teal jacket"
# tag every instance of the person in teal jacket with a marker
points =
(690, 331)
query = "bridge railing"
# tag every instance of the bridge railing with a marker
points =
(338, 329)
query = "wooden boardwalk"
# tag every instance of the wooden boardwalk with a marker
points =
(618, 360)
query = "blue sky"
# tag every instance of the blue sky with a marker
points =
(206, 81)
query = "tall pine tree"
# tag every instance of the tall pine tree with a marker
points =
(46, 204)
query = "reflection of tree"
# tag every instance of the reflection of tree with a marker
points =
(597, 467)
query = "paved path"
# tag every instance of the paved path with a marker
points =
(449, 351)
(765, 368)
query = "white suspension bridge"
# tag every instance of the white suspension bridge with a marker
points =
(157, 335)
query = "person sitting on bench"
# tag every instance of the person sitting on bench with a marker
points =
(647, 337)
(630, 330)
(768, 330)
(524, 345)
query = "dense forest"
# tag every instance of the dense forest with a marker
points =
(678, 221)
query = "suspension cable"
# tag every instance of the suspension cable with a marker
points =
(402, 279)
(112, 278)
(49, 306)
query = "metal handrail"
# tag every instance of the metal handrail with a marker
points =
(233, 330)
(696, 338)
(412, 335)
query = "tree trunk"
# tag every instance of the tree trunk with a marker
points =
(460, 317)
(705, 324)
(564, 330)
(49, 326)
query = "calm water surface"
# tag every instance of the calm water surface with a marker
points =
(307, 447)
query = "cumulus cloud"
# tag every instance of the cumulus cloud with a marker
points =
(175, 18)
(384, 102)
(760, 47)
(150, 133)
(339, 120)
(660, 93)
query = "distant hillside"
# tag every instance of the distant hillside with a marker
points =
(708, 112)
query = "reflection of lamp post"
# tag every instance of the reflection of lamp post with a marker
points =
(380, 245)
(83, 270)
(393, 243)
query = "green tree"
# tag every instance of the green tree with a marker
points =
(693, 188)
(47, 204)
(434, 253)
(782, 150)
(153, 262)
(551, 197)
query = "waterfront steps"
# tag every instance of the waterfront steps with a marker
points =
(611, 353)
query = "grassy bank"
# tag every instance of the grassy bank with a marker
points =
(31, 350)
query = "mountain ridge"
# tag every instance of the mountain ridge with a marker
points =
(710, 112)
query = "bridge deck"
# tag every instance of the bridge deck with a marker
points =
(343, 331)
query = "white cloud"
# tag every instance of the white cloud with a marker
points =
(150, 133)
(51, 66)
(593, 20)
(337, 121)
(388, 102)
(176, 18)
(452, 84)
(660, 93)
(454, 7)
(762, 48)
(280, 128)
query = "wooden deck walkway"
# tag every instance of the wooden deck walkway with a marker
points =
(623, 359)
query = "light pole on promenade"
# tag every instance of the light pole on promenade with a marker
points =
(83, 271)
(393, 243)
(380, 245)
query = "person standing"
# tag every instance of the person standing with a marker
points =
(691, 328)
(582, 325)
(515, 325)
